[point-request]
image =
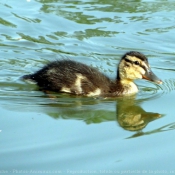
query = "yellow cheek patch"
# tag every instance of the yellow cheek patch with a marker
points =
(129, 70)
(140, 70)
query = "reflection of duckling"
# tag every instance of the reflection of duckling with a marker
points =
(134, 118)
(77, 78)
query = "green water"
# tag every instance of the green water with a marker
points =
(77, 135)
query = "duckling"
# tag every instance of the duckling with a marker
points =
(73, 77)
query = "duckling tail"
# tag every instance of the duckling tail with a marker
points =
(28, 78)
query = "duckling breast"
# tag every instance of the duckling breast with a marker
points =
(129, 87)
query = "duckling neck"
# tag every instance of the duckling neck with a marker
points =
(127, 86)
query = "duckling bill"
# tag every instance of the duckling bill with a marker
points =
(77, 78)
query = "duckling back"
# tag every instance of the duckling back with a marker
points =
(71, 77)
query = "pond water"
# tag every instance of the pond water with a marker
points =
(78, 135)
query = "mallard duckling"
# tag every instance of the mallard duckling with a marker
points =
(77, 78)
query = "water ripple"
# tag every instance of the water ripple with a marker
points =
(168, 85)
(147, 92)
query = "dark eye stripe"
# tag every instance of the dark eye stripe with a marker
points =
(132, 62)
(136, 63)
(143, 67)
(127, 60)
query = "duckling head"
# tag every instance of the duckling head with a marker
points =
(134, 65)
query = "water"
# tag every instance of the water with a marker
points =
(78, 135)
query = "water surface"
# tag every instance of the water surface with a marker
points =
(78, 135)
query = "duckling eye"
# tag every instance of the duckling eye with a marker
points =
(136, 62)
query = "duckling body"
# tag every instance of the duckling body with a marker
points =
(79, 79)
